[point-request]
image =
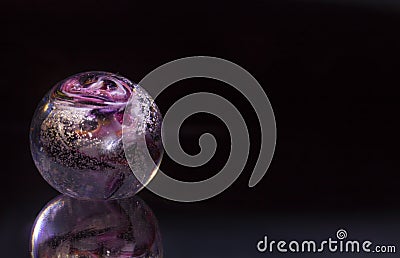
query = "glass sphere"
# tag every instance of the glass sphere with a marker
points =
(76, 136)
(68, 227)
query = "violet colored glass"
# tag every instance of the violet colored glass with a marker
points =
(76, 136)
(68, 227)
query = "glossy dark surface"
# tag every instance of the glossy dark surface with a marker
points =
(68, 227)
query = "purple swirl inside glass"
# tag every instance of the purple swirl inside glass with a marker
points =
(95, 88)
(76, 136)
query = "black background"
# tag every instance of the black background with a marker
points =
(329, 68)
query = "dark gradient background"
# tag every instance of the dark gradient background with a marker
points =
(329, 68)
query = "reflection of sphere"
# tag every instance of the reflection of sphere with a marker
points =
(68, 227)
(76, 136)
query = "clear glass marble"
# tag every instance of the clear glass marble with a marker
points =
(76, 136)
(68, 227)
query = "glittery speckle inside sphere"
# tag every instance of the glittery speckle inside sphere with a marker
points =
(76, 136)
(68, 227)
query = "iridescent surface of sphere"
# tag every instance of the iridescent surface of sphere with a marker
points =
(68, 227)
(76, 136)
